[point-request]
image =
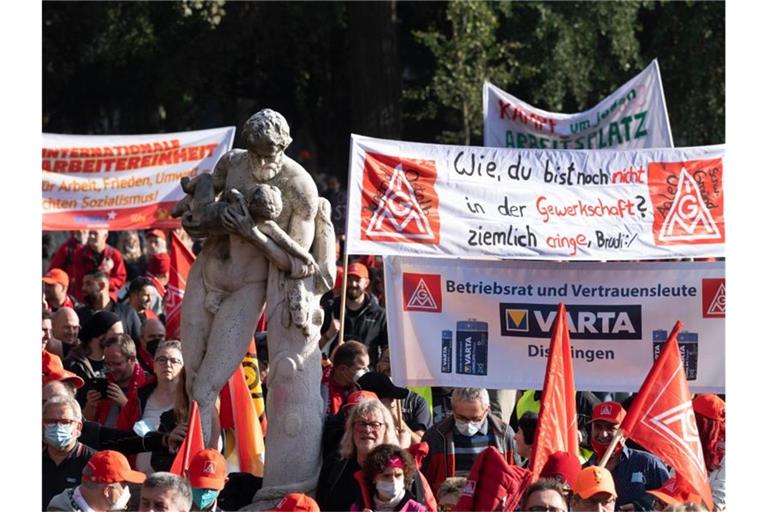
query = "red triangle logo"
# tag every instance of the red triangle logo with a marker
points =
(688, 219)
(399, 214)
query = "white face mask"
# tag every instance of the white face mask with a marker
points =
(468, 428)
(359, 373)
(391, 489)
(122, 501)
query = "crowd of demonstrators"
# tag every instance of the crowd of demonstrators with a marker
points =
(384, 447)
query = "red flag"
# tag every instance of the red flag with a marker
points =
(181, 262)
(249, 439)
(192, 444)
(661, 418)
(556, 430)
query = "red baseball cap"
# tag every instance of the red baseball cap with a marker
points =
(564, 464)
(208, 470)
(156, 232)
(357, 397)
(56, 276)
(54, 370)
(297, 502)
(357, 269)
(610, 412)
(673, 494)
(710, 406)
(108, 466)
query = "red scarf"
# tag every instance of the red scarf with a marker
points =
(337, 395)
(130, 413)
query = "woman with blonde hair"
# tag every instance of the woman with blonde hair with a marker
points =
(369, 424)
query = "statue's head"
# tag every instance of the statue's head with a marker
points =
(265, 202)
(266, 135)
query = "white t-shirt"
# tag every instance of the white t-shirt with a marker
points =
(151, 419)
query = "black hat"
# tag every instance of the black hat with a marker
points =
(98, 324)
(381, 385)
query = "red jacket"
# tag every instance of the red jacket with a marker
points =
(86, 261)
(440, 463)
(493, 484)
(64, 258)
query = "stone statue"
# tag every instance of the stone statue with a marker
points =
(269, 240)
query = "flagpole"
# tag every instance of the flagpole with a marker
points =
(342, 312)
(615, 441)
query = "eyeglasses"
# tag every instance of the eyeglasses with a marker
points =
(373, 425)
(54, 421)
(172, 360)
(545, 508)
(594, 502)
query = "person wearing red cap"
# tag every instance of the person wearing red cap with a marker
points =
(296, 502)
(103, 487)
(156, 241)
(633, 471)
(97, 297)
(563, 467)
(64, 456)
(55, 286)
(594, 490)
(96, 254)
(207, 476)
(364, 321)
(709, 410)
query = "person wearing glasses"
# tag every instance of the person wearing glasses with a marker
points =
(594, 491)
(64, 456)
(156, 398)
(545, 495)
(369, 424)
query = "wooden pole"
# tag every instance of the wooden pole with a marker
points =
(607, 455)
(343, 310)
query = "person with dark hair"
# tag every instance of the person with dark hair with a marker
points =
(96, 254)
(152, 334)
(526, 430)
(98, 298)
(709, 410)
(388, 472)
(350, 362)
(87, 359)
(124, 378)
(545, 495)
(364, 320)
(140, 297)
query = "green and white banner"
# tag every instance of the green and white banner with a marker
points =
(634, 116)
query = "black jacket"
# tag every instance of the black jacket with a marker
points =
(368, 325)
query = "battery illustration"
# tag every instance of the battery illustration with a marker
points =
(689, 349)
(472, 347)
(446, 352)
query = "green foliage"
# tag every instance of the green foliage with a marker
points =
(467, 55)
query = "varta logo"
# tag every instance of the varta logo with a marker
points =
(592, 322)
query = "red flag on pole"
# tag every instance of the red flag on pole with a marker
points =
(249, 439)
(556, 430)
(661, 418)
(181, 262)
(192, 444)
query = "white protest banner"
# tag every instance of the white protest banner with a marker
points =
(123, 181)
(470, 323)
(632, 117)
(432, 200)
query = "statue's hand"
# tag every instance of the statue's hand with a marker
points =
(237, 223)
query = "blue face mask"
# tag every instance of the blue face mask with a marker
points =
(58, 435)
(204, 498)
